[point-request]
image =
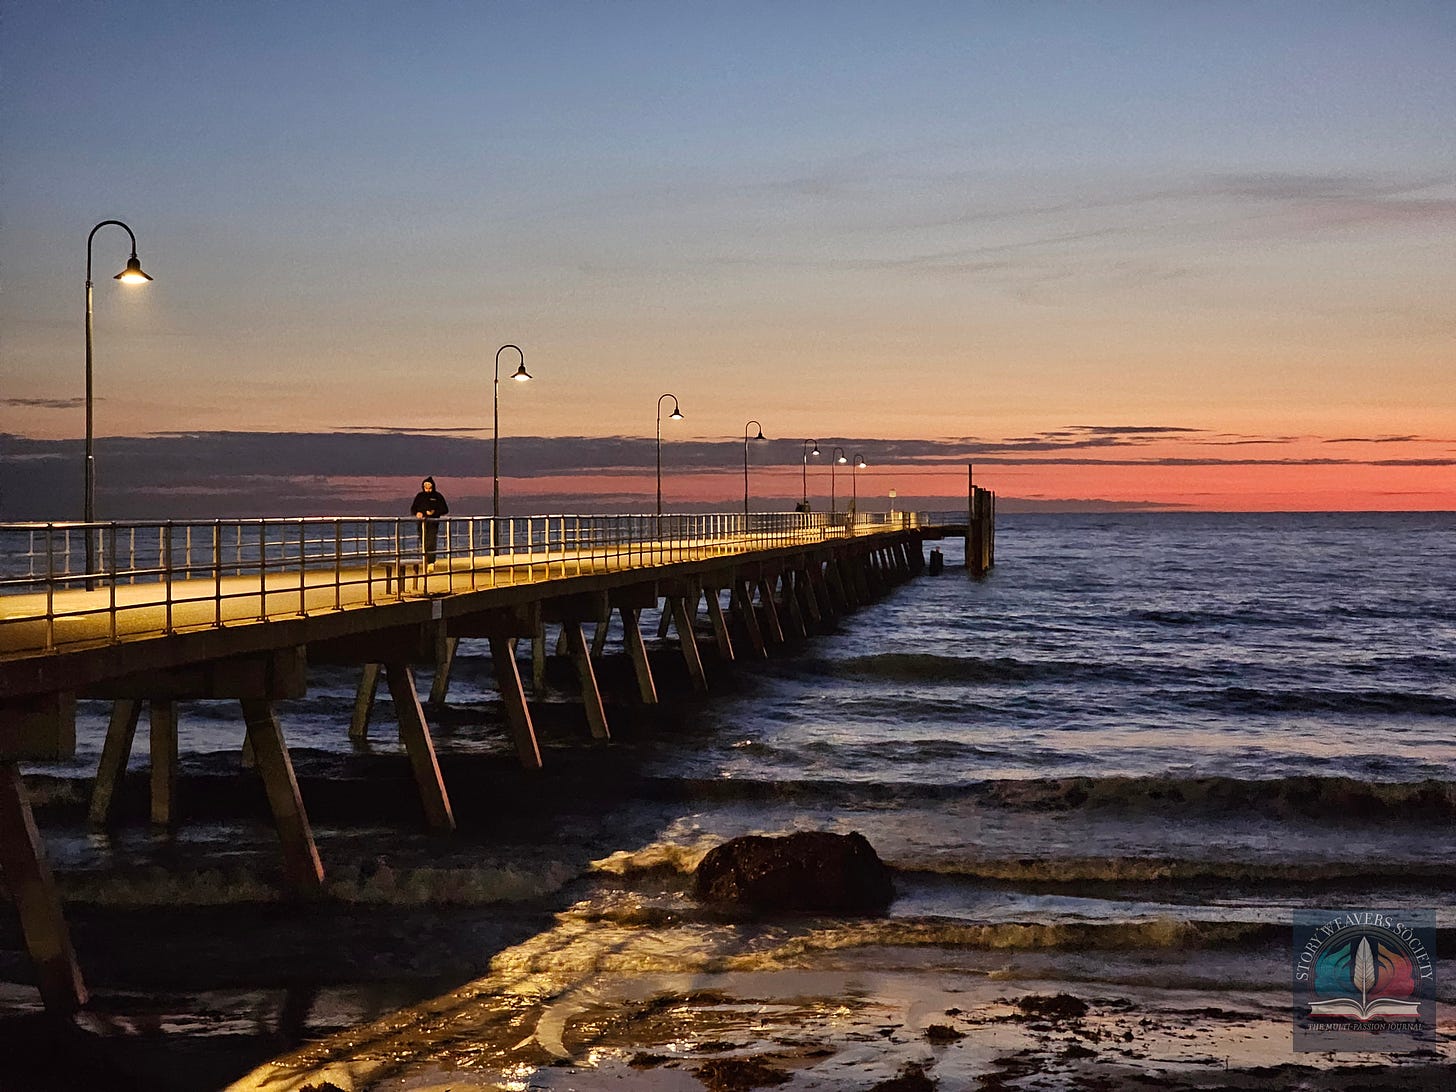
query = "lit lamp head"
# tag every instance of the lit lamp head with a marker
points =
(520, 374)
(676, 414)
(859, 460)
(132, 274)
(760, 435)
(815, 452)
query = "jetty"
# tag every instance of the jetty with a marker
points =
(146, 615)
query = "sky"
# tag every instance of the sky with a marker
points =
(1170, 255)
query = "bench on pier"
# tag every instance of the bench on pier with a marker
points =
(402, 571)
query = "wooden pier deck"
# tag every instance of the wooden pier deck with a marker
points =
(174, 612)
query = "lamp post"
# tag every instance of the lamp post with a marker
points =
(746, 438)
(835, 458)
(521, 375)
(859, 461)
(807, 453)
(132, 274)
(675, 415)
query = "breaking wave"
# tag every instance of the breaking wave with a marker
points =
(1333, 799)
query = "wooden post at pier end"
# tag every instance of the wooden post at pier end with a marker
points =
(980, 526)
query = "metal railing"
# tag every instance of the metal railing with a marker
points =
(152, 578)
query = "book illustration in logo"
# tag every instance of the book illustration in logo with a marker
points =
(1357, 980)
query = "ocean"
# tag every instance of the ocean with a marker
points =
(1106, 776)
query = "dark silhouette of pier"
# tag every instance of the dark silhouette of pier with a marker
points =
(147, 615)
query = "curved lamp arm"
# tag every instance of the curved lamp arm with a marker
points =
(804, 473)
(675, 415)
(746, 438)
(520, 374)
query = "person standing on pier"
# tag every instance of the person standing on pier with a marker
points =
(428, 507)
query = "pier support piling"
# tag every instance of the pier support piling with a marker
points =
(513, 698)
(637, 653)
(599, 634)
(364, 702)
(440, 684)
(120, 735)
(687, 640)
(162, 717)
(721, 635)
(793, 613)
(591, 695)
(538, 661)
(743, 597)
(414, 732)
(773, 629)
(302, 870)
(32, 887)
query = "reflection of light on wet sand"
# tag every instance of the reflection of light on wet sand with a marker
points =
(600, 1001)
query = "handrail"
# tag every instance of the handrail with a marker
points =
(152, 578)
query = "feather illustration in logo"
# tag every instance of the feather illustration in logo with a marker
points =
(1363, 973)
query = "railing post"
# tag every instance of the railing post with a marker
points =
(262, 570)
(167, 574)
(51, 587)
(369, 561)
(399, 556)
(338, 564)
(111, 591)
(217, 572)
(302, 569)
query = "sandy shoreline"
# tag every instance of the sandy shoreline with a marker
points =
(826, 1030)
(594, 1003)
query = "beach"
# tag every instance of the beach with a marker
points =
(1105, 778)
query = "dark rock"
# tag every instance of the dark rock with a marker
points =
(942, 1033)
(910, 1079)
(808, 870)
(739, 1075)
(1062, 1006)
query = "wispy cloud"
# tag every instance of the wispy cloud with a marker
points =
(45, 403)
(229, 473)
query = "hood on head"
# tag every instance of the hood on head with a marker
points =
(428, 481)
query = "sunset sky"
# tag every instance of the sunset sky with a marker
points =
(1195, 255)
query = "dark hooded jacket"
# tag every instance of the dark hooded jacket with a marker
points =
(430, 502)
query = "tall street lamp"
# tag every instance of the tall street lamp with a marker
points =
(132, 274)
(835, 458)
(675, 415)
(859, 461)
(807, 453)
(521, 375)
(746, 438)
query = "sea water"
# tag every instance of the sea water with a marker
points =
(1139, 733)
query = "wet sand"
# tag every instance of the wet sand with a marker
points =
(581, 1007)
